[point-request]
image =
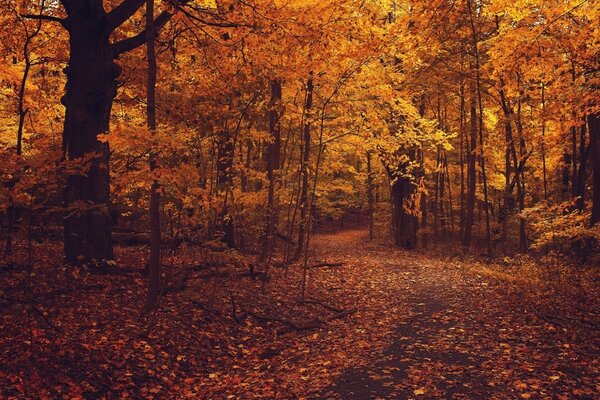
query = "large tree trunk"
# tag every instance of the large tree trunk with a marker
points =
(404, 220)
(594, 128)
(90, 90)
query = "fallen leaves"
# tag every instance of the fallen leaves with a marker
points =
(419, 391)
(420, 329)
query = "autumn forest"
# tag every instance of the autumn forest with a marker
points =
(299, 199)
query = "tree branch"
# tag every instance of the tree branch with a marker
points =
(44, 18)
(221, 24)
(133, 42)
(123, 12)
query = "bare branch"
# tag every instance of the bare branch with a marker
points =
(44, 18)
(123, 12)
(133, 42)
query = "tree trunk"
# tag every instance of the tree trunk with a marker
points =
(471, 173)
(22, 113)
(521, 188)
(436, 195)
(304, 212)
(582, 170)
(543, 147)
(155, 236)
(371, 205)
(89, 93)
(462, 140)
(594, 128)
(422, 186)
(90, 90)
(450, 203)
(508, 137)
(404, 222)
(225, 154)
(273, 162)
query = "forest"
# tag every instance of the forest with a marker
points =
(300, 199)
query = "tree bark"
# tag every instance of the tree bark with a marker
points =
(273, 164)
(89, 93)
(155, 235)
(471, 173)
(370, 199)
(582, 170)
(225, 154)
(90, 90)
(404, 222)
(304, 212)
(594, 129)
(462, 146)
(543, 146)
(523, 246)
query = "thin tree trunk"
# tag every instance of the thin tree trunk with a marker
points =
(582, 171)
(522, 150)
(304, 211)
(371, 205)
(155, 234)
(573, 139)
(543, 148)
(436, 196)
(273, 161)
(594, 129)
(471, 172)
(462, 139)
(475, 40)
(225, 154)
(22, 113)
(422, 187)
(450, 204)
(508, 137)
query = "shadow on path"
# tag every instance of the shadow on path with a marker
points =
(413, 359)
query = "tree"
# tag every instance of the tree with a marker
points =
(89, 92)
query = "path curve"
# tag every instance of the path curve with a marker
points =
(464, 336)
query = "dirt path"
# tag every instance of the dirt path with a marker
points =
(463, 336)
(416, 327)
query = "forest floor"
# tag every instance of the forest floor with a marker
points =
(385, 324)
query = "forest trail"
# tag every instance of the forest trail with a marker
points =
(462, 335)
(386, 324)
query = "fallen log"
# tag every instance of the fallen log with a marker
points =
(299, 326)
(182, 279)
(323, 304)
(131, 238)
(327, 265)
